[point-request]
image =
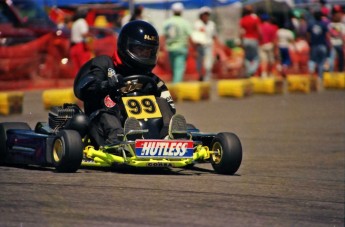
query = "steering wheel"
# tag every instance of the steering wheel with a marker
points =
(135, 82)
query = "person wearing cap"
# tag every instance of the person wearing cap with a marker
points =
(268, 44)
(337, 40)
(250, 35)
(204, 36)
(318, 37)
(176, 41)
(80, 51)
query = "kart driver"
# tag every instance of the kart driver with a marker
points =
(97, 81)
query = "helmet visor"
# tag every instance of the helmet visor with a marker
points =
(142, 52)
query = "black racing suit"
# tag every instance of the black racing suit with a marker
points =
(106, 120)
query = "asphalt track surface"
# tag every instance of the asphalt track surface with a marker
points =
(292, 173)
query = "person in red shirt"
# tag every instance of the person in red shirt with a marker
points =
(267, 45)
(80, 51)
(250, 36)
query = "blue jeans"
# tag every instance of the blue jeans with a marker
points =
(336, 51)
(205, 61)
(251, 50)
(178, 64)
(318, 57)
(285, 56)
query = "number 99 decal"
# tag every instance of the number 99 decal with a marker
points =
(142, 107)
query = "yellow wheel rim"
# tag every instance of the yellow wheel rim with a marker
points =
(58, 150)
(217, 157)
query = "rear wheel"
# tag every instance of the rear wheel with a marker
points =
(3, 135)
(229, 156)
(67, 152)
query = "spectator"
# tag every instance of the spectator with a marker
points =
(299, 54)
(340, 10)
(337, 39)
(204, 37)
(101, 21)
(250, 35)
(285, 39)
(267, 45)
(176, 36)
(80, 50)
(301, 31)
(125, 19)
(325, 8)
(318, 38)
(294, 21)
(137, 14)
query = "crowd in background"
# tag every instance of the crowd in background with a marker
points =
(302, 43)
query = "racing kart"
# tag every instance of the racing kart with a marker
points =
(63, 141)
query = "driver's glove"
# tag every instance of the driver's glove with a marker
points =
(113, 82)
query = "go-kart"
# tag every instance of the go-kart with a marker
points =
(63, 141)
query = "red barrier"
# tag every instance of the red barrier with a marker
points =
(21, 61)
(38, 64)
(105, 46)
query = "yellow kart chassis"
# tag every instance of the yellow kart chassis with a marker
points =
(101, 158)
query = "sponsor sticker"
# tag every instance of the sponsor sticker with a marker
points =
(164, 148)
(159, 164)
(108, 102)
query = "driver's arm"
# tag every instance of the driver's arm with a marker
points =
(92, 85)
(165, 93)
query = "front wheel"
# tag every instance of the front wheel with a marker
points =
(67, 152)
(229, 157)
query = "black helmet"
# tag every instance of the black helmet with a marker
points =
(137, 46)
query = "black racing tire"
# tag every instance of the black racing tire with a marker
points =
(229, 159)
(3, 135)
(67, 151)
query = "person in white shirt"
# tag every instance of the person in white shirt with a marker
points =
(80, 50)
(337, 38)
(204, 37)
(285, 39)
